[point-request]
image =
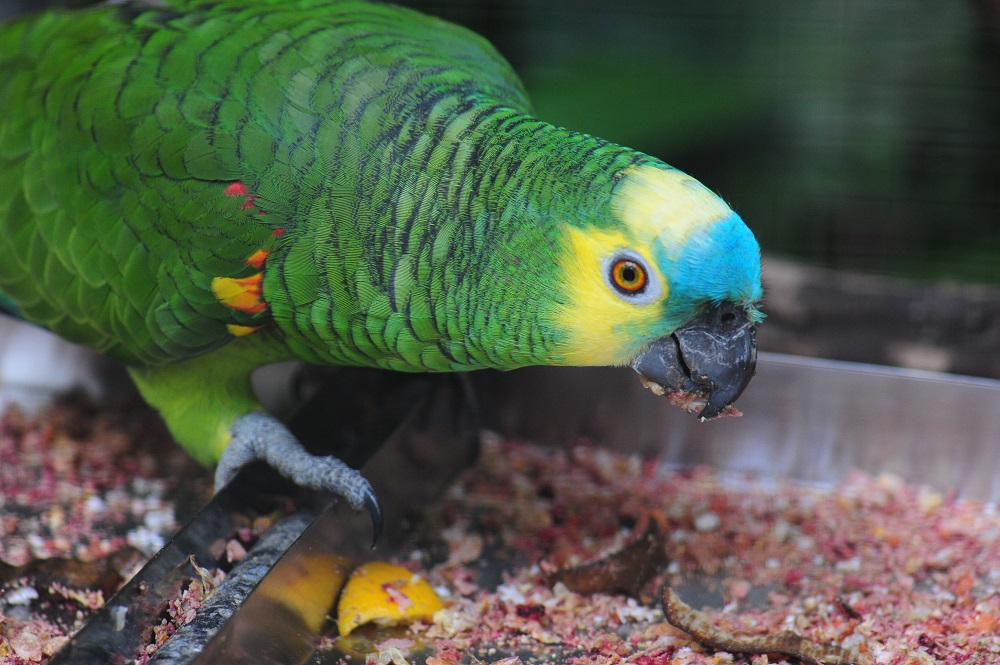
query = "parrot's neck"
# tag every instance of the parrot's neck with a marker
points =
(452, 245)
(530, 167)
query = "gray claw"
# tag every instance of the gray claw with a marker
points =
(258, 436)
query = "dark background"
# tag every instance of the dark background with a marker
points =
(861, 134)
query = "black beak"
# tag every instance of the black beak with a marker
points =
(713, 357)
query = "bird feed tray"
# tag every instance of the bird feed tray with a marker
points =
(808, 513)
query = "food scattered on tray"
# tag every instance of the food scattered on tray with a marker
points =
(86, 497)
(538, 555)
(709, 635)
(871, 568)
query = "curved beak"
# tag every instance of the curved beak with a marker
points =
(704, 365)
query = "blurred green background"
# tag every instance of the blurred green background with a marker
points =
(859, 134)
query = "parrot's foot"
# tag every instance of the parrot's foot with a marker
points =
(259, 436)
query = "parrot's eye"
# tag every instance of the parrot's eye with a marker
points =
(628, 276)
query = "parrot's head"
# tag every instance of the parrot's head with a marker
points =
(669, 285)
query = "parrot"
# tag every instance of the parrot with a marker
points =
(200, 188)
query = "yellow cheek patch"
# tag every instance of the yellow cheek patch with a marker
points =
(664, 205)
(593, 316)
(659, 211)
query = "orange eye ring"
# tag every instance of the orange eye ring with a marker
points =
(629, 276)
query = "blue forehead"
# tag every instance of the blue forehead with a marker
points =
(719, 261)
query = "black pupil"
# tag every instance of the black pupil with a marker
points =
(629, 273)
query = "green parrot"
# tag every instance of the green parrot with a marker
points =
(199, 188)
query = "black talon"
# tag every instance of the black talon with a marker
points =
(374, 509)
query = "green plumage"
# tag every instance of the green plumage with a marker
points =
(410, 209)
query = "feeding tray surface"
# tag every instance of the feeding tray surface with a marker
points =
(805, 419)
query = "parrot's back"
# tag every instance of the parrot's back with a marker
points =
(152, 158)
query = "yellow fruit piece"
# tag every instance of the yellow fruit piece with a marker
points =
(385, 594)
(307, 585)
